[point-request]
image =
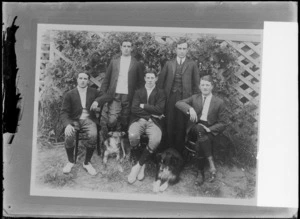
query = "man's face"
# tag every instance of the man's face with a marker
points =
(150, 80)
(126, 48)
(205, 87)
(181, 50)
(82, 80)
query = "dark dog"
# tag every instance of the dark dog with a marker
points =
(113, 145)
(170, 164)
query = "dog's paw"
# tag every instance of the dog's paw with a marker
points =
(156, 185)
(163, 187)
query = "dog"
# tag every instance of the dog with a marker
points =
(170, 164)
(113, 145)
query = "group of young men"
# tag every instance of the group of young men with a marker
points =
(165, 106)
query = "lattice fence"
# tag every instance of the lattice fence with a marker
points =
(248, 75)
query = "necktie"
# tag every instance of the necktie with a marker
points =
(180, 61)
(204, 101)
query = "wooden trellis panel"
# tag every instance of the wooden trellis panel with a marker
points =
(249, 74)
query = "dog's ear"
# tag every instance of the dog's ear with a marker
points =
(110, 133)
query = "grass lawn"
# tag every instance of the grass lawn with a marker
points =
(231, 182)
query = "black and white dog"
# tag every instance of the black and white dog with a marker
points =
(170, 164)
(113, 145)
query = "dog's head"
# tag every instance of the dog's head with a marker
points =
(116, 136)
(168, 160)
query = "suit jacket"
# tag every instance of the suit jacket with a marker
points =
(154, 106)
(216, 116)
(135, 77)
(190, 77)
(71, 107)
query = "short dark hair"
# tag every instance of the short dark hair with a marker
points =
(151, 70)
(181, 41)
(126, 40)
(208, 78)
(88, 74)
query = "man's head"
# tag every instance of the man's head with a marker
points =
(181, 48)
(150, 78)
(206, 85)
(83, 79)
(126, 47)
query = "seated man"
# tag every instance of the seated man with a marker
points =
(207, 118)
(76, 115)
(146, 114)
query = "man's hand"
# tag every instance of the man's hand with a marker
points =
(193, 115)
(206, 129)
(94, 106)
(69, 130)
(142, 105)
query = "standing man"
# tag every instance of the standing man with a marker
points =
(123, 76)
(180, 79)
(146, 117)
(207, 119)
(76, 115)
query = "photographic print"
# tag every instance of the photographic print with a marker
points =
(121, 161)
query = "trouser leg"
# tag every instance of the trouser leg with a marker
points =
(89, 129)
(154, 134)
(135, 131)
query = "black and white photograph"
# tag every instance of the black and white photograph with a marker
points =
(121, 113)
(150, 109)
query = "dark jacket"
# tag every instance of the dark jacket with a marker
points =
(71, 107)
(216, 116)
(135, 77)
(155, 105)
(190, 77)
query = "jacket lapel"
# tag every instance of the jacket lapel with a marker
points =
(132, 61)
(174, 66)
(200, 105)
(88, 97)
(184, 65)
(211, 105)
(144, 95)
(77, 97)
(152, 95)
(116, 73)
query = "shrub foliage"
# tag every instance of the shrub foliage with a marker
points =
(92, 52)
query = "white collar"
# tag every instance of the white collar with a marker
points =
(82, 89)
(178, 59)
(208, 96)
(126, 57)
(150, 89)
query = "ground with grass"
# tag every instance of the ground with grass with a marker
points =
(231, 181)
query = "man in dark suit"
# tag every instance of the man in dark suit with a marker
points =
(207, 118)
(146, 117)
(180, 79)
(76, 114)
(123, 76)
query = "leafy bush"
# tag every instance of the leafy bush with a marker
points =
(92, 52)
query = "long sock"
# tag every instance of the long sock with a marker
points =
(88, 155)
(70, 154)
(144, 157)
